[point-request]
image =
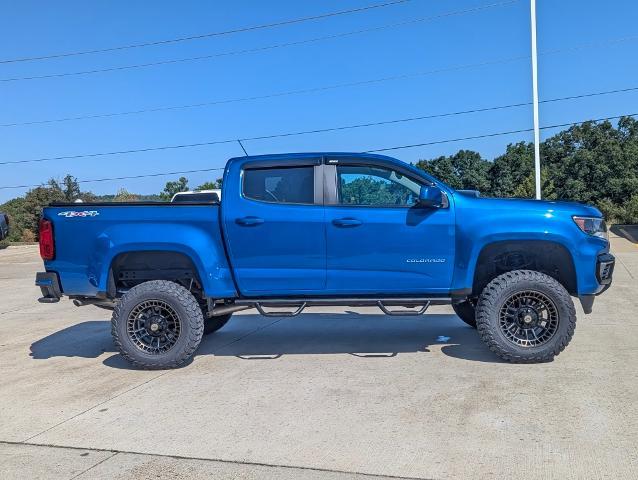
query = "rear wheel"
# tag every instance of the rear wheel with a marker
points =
(525, 316)
(157, 325)
(466, 311)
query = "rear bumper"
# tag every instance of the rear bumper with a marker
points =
(604, 274)
(49, 285)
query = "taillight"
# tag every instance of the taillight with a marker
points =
(47, 243)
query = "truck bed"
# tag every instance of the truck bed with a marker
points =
(90, 235)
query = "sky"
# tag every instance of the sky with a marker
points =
(494, 36)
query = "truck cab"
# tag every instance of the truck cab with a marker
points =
(334, 225)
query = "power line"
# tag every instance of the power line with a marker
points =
(324, 88)
(319, 89)
(315, 131)
(262, 48)
(279, 94)
(385, 149)
(207, 35)
(146, 175)
(496, 134)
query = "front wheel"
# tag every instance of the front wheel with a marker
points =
(525, 316)
(157, 325)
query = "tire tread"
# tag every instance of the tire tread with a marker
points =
(194, 317)
(489, 303)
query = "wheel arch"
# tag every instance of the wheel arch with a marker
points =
(137, 266)
(546, 256)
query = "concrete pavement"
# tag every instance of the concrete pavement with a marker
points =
(334, 393)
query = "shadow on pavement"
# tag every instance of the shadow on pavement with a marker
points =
(86, 339)
(250, 337)
(628, 232)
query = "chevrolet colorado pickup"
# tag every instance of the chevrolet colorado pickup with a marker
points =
(329, 229)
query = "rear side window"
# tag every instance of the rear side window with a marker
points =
(280, 185)
(197, 197)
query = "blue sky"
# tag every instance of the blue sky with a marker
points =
(39, 28)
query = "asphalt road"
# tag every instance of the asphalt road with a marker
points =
(341, 394)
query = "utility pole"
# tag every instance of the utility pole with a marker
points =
(537, 133)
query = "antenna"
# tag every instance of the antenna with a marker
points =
(242, 147)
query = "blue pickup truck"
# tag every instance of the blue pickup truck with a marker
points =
(329, 229)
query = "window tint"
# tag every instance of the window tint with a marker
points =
(282, 185)
(366, 185)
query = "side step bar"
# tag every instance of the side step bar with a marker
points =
(294, 313)
(404, 313)
(412, 306)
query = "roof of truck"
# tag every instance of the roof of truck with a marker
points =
(295, 156)
(273, 160)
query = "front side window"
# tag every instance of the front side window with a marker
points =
(378, 186)
(280, 185)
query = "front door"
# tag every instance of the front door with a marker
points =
(380, 241)
(275, 228)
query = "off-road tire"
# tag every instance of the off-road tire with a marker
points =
(212, 324)
(499, 290)
(190, 318)
(466, 311)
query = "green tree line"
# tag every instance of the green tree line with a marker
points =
(594, 163)
(24, 212)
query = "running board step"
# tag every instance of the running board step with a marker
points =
(404, 313)
(293, 313)
(410, 306)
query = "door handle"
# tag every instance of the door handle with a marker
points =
(347, 222)
(249, 221)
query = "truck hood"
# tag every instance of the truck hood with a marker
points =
(525, 204)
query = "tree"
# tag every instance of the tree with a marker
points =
(465, 170)
(527, 187)
(34, 201)
(591, 163)
(511, 169)
(171, 188)
(217, 184)
(69, 187)
(124, 195)
(596, 163)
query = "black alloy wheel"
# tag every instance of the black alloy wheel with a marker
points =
(153, 326)
(528, 318)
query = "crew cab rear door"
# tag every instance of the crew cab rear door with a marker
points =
(274, 225)
(380, 241)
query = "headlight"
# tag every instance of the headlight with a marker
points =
(592, 226)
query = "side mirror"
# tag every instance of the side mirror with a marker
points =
(430, 197)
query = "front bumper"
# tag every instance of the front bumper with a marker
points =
(49, 285)
(605, 268)
(604, 273)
